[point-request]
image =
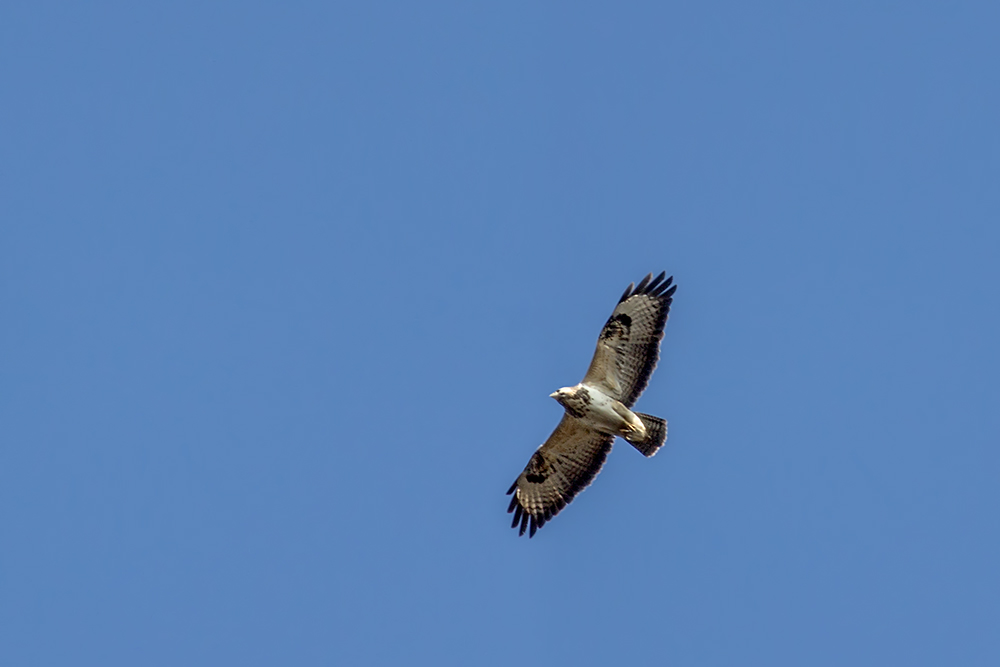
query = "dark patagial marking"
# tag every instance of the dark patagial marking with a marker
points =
(617, 327)
(538, 469)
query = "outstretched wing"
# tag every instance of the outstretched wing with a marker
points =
(558, 470)
(629, 345)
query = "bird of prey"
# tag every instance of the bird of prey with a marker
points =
(598, 409)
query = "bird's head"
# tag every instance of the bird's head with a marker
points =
(574, 399)
(563, 394)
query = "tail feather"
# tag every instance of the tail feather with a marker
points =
(656, 434)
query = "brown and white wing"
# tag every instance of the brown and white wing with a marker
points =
(629, 345)
(557, 471)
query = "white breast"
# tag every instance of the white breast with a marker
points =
(601, 413)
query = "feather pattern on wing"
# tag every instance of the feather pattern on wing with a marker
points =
(629, 344)
(558, 470)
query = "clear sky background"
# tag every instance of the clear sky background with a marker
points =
(285, 288)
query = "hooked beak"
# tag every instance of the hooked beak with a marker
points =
(554, 394)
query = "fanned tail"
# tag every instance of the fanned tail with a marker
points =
(656, 434)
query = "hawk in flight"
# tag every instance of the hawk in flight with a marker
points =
(598, 409)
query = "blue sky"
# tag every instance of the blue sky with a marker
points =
(285, 288)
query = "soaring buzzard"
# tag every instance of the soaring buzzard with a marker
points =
(597, 409)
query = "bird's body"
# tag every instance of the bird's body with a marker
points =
(599, 408)
(598, 411)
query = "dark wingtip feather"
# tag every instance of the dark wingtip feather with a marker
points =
(517, 517)
(534, 526)
(512, 487)
(524, 523)
(651, 287)
(641, 287)
(627, 293)
(513, 504)
(662, 288)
